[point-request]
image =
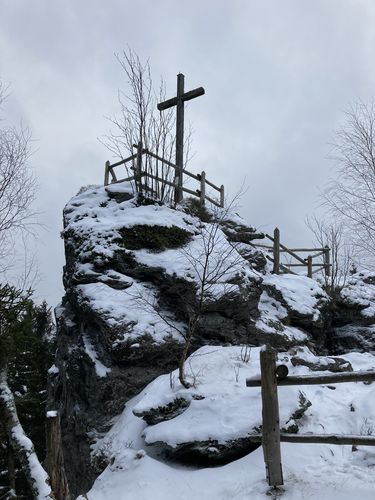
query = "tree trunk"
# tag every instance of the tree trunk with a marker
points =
(55, 457)
(23, 448)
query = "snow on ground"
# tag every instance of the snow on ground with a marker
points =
(302, 294)
(314, 471)
(132, 308)
(272, 313)
(360, 290)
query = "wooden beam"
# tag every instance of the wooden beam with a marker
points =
(121, 162)
(214, 202)
(331, 378)
(55, 457)
(106, 173)
(338, 439)
(193, 93)
(328, 439)
(270, 417)
(212, 185)
(327, 265)
(276, 251)
(203, 189)
(305, 250)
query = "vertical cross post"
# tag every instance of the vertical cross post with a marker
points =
(270, 417)
(179, 137)
(179, 101)
(276, 251)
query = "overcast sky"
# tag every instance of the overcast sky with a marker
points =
(278, 76)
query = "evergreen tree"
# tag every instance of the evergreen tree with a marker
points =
(26, 350)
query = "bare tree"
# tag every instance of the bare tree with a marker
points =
(139, 121)
(17, 187)
(332, 235)
(212, 259)
(351, 195)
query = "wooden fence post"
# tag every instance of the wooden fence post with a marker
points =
(276, 251)
(203, 189)
(11, 468)
(138, 168)
(309, 266)
(222, 196)
(106, 173)
(55, 457)
(327, 267)
(270, 416)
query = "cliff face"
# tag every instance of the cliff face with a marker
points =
(135, 274)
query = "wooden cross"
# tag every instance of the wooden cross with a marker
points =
(178, 101)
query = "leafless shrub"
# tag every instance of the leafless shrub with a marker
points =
(351, 195)
(342, 253)
(211, 260)
(139, 121)
(245, 353)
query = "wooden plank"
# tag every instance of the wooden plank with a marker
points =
(309, 266)
(114, 177)
(322, 379)
(222, 200)
(121, 162)
(262, 246)
(55, 457)
(193, 93)
(338, 439)
(106, 173)
(170, 183)
(167, 104)
(203, 189)
(304, 265)
(286, 270)
(328, 439)
(305, 250)
(212, 185)
(326, 259)
(276, 251)
(315, 255)
(214, 202)
(288, 250)
(270, 417)
(178, 193)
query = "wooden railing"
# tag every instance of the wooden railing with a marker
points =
(271, 377)
(155, 183)
(310, 262)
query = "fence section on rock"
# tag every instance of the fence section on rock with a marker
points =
(155, 177)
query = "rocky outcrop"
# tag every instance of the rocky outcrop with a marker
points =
(132, 281)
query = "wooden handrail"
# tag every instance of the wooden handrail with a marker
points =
(339, 439)
(322, 379)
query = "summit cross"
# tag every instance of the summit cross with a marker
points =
(178, 101)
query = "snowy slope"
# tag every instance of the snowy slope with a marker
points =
(228, 410)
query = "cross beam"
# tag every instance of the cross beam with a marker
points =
(178, 101)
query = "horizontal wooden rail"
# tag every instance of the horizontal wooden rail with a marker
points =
(290, 252)
(121, 162)
(306, 250)
(305, 264)
(332, 378)
(137, 167)
(338, 439)
(212, 185)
